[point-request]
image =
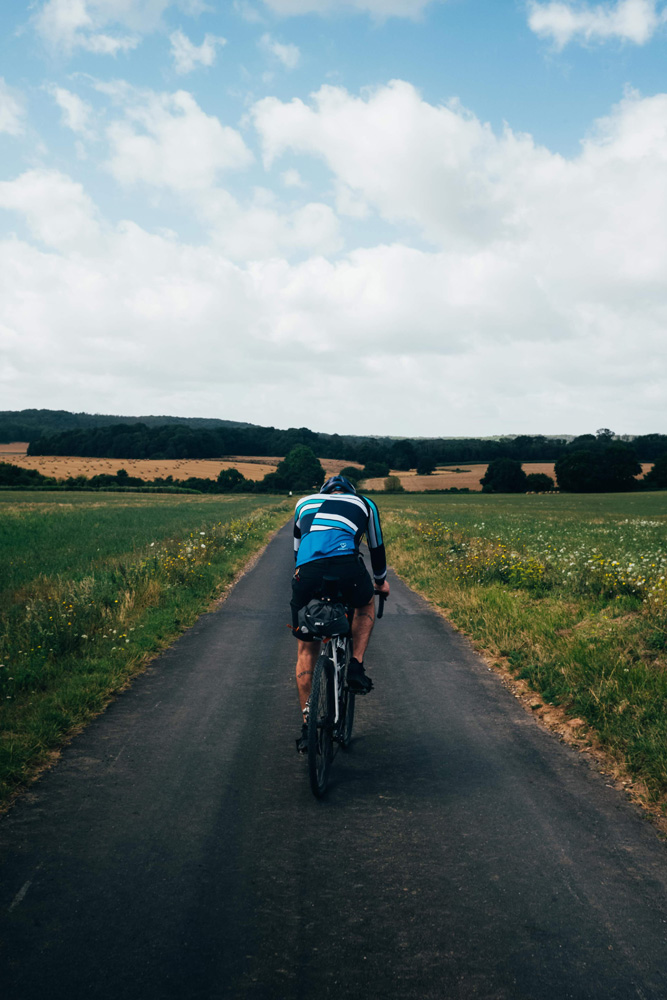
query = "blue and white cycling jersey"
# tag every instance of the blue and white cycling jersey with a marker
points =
(333, 524)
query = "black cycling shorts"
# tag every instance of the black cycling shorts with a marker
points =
(355, 585)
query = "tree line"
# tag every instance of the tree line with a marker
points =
(178, 441)
(31, 424)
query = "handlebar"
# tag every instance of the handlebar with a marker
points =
(383, 598)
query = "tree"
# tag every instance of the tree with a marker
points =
(425, 466)
(299, 470)
(539, 482)
(230, 479)
(618, 467)
(393, 484)
(403, 456)
(375, 470)
(504, 475)
(604, 470)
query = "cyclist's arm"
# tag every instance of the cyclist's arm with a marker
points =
(376, 546)
(297, 533)
(297, 539)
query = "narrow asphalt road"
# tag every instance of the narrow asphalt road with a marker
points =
(176, 851)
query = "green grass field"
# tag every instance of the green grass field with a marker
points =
(567, 591)
(92, 586)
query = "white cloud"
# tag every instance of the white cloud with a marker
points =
(531, 247)
(377, 8)
(11, 110)
(440, 170)
(540, 304)
(105, 27)
(410, 160)
(76, 113)
(187, 56)
(57, 210)
(72, 24)
(262, 230)
(288, 55)
(626, 20)
(166, 140)
(184, 330)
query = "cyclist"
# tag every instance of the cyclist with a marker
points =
(328, 527)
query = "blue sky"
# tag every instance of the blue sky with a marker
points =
(448, 217)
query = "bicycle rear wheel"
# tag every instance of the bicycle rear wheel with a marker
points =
(320, 726)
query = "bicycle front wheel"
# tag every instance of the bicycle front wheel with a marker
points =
(347, 707)
(320, 726)
(348, 719)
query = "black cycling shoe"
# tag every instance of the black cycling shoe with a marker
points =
(358, 680)
(302, 741)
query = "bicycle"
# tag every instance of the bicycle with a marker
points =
(331, 703)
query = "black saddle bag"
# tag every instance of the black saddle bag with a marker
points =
(323, 619)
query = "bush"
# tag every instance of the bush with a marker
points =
(539, 482)
(393, 484)
(16, 475)
(504, 475)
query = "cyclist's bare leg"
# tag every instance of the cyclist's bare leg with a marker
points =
(362, 626)
(305, 666)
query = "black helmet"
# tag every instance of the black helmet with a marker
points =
(337, 483)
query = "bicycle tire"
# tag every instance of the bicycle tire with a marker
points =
(320, 726)
(347, 706)
(348, 720)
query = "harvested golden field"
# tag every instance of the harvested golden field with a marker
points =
(62, 466)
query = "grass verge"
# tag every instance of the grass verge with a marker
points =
(72, 637)
(568, 594)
